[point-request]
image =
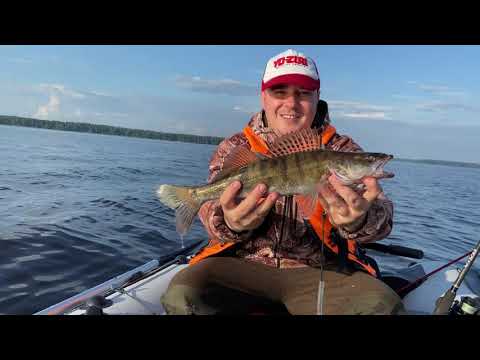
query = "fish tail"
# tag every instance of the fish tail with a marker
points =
(185, 205)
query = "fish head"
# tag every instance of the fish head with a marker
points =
(352, 168)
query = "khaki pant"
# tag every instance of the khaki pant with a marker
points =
(233, 285)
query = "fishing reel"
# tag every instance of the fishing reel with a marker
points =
(466, 306)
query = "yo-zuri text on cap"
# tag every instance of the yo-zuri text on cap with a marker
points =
(291, 68)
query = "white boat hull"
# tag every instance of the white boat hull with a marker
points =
(143, 297)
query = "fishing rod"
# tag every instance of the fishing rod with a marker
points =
(445, 303)
(413, 284)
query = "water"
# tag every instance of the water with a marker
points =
(78, 209)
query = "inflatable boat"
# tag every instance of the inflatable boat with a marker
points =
(138, 291)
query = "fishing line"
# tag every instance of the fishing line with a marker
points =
(321, 283)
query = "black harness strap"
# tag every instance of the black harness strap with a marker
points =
(342, 246)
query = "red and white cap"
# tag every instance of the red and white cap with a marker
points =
(291, 67)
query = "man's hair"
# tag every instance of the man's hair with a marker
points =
(322, 111)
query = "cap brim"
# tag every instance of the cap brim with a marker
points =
(303, 81)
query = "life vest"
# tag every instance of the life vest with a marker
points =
(345, 249)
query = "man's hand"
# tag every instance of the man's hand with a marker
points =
(345, 207)
(249, 213)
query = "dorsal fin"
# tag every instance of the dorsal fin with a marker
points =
(238, 158)
(298, 141)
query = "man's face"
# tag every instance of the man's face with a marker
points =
(289, 108)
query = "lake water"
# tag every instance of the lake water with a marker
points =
(78, 209)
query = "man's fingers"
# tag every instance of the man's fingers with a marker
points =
(373, 189)
(227, 199)
(264, 208)
(353, 200)
(250, 202)
(333, 200)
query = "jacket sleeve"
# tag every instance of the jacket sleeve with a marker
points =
(379, 221)
(211, 213)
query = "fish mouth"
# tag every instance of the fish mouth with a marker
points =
(379, 172)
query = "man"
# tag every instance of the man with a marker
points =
(262, 247)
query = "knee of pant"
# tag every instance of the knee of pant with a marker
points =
(177, 300)
(185, 300)
(204, 263)
(194, 275)
(381, 303)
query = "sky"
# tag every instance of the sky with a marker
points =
(417, 102)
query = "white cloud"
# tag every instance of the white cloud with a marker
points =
(367, 115)
(108, 114)
(221, 86)
(99, 93)
(405, 97)
(243, 110)
(438, 89)
(359, 110)
(52, 107)
(443, 106)
(61, 89)
(333, 104)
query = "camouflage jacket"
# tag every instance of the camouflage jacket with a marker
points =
(298, 247)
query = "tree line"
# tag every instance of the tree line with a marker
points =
(107, 129)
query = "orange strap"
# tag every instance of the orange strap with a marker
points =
(327, 134)
(209, 251)
(256, 142)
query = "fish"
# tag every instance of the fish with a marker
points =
(295, 164)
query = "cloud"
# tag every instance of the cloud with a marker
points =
(108, 114)
(52, 107)
(69, 92)
(243, 110)
(359, 110)
(344, 105)
(442, 106)
(61, 89)
(368, 115)
(437, 89)
(222, 86)
(76, 105)
(406, 97)
(99, 93)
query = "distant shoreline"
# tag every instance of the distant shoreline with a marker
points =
(156, 135)
(440, 162)
(107, 130)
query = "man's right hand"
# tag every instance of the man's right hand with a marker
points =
(249, 213)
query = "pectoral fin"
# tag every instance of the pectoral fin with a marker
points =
(307, 203)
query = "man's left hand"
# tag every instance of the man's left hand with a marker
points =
(345, 207)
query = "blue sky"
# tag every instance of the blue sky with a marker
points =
(410, 101)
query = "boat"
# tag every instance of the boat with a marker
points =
(138, 291)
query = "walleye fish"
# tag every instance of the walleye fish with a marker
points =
(296, 165)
